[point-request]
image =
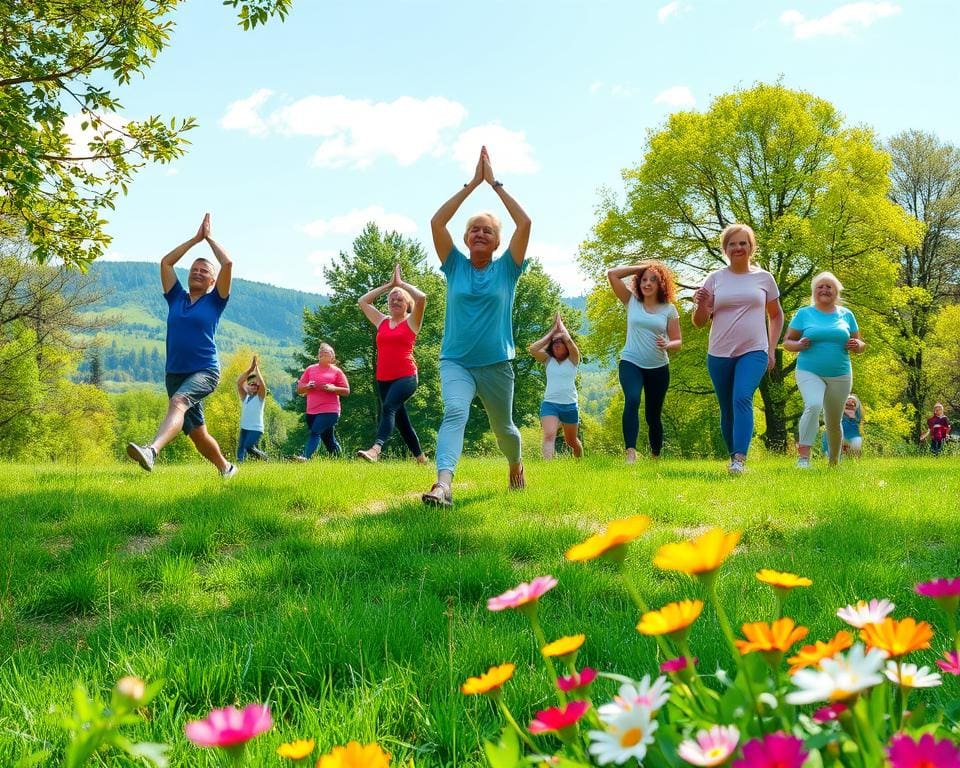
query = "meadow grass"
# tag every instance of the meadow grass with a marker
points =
(330, 592)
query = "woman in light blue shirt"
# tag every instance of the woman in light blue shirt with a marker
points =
(823, 335)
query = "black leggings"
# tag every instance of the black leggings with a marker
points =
(393, 395)
(633, 379)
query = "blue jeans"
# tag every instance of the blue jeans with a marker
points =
(735, 380)
(248, 439)
(393, 395)
(321, 428)
(633, 379)
(493, 384)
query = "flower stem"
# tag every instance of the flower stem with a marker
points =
(541, 643)
(520, 732)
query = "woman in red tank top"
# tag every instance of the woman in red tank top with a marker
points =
(396, 368)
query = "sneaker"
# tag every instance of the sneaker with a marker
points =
(803, 463)
(300, 459)
(229, 472)
(736, 467)
(439, 495)
(144, 455)
(257, 454)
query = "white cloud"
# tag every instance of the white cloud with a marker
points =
(843, 21)
(509, 150)
(622, 90)
(560, 262)
(172, 171)
(243, 115)
(677, 96)
(671, 9)
(353, 222)
(79, 137)
(596, 86)
(118, 256)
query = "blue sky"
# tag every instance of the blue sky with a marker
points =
(351, 111)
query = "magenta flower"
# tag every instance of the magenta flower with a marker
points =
(712, 747)
(676, 665)
(904, 752)
(830, 712)
(580, 679)
(939, 588)
(522, 594)
(230, 727)
(778, 750)
(558, 718)
(950, 663)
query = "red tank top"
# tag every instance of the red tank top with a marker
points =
(395, 351)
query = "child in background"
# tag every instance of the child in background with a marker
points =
(938, 429)
(252, 390)
(850, 427)
(323, 384)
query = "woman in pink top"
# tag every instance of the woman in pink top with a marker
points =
(396, 368)
(737, 300)
(323, 384)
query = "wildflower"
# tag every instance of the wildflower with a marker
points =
(564, 646)
(864, 613)
(627, 735)
(296, 750)
(673, 619)
(904, 752)
(522, 594)
(830, 712)
(489, 682)
(677, 665)
(898, 637)
(780, 580)
(645, 695)
(770, 639)
(702, 555)
(131, 689)
(559, 718)
(911, 676)
(355, 755)
(778, 750)
(811, 655)
(950, 663)
(230, 727)
(945, 591)
(618, 533)
(840, 677)
(577, 680)
(712, 747)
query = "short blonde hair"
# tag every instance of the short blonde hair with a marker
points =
(493, 219)
(730, 229)
(406, 296)
(824, 277)
(327, 347)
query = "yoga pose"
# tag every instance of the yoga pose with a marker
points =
(478, 328)
(653, 329)
(193, 367)
(324, 384)
(252, 390)
(396, 369)
(561, 356)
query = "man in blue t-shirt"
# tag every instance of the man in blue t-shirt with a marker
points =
(193, 368)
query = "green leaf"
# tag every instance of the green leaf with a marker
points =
(505, 753)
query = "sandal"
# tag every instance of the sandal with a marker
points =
(369, 456)
(439, 495)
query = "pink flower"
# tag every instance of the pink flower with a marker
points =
(830, 712)
(229, 726)
(676, 665)
(778, 750)
(712, 747)
(950, 662)
(863, 613)
(580, 679)
(904, 752)
(557, 718)
(939, 588)
(522, 594)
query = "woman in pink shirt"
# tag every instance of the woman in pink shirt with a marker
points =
(737, 300)
(396, 368)
(323, 384)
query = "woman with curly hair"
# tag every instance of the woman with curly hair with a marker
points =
(653, 328)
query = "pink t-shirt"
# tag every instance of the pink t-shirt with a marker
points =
(740, 311)
(318, 399)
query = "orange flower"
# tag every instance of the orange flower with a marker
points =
(618, 533)
(781, 580)
(489, 681)
(897, 637)
(564, 646)
(770, 638)
(703, 555)
(355, 755)
(296, 750)
(812, 655)
(672, 618)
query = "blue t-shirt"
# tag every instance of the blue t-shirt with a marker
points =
(190, 330)
(829, 333)
(478, 325)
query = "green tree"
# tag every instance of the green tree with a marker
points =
(61, 58)
(944, 362)
(782, 161)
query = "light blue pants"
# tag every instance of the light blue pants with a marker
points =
(493, 384)
(735, 380)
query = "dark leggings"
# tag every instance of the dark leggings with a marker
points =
(633, 380)
(321, 426)
(393, 395)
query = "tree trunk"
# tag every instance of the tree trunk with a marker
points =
(916, 392)
(773, 392)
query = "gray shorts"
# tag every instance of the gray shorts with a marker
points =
(194, 387)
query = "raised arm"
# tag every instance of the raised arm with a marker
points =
(167, 275)
(365, 302)
(616, 277)
(225, 276)
(415, 320)
(442, 240)
(262, 382)
(242, 378)
(538, 348)
(572, 349)
(521, 234)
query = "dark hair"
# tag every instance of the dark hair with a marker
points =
(666, 288)
(550, 347)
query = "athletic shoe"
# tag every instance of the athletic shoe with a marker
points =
(736, 467)
(439, 495)
(300, 459)
(257, 454)
(144, 455)
(229, 472)
(803, 463)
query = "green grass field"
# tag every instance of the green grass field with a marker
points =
(330, 592)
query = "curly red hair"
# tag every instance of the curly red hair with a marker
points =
(666, 287)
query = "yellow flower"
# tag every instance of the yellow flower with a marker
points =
(781, 580)
(812, 655)
(296, 750)
(489, 681)
(355, 755)
(704, 554)
(619, 532)
(897, 637)
(564, 646)
(770, 638)
(672, 618)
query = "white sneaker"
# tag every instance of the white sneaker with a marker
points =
(299, 459)
(803, 462)
(736, 467)
(229, 472)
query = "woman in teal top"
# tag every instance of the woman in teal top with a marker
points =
(478, 329)
(823, 335)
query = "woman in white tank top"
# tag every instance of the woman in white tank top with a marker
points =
(557, 350)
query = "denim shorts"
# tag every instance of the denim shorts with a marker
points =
(566, 412)
(193, 387)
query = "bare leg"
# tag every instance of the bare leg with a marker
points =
(172, 423)
(571, 438)
(549, 424)
(208, 447)
(517, 480)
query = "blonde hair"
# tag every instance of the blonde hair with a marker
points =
(730, 229)
(824, 276)
(329, 347)
(406, 296)
(493, 220)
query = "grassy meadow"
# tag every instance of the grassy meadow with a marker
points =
(330, 592)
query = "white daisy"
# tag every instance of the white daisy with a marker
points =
(646, 695)
(627, 735)
(911, 676)
(839, 677)
(864, 613)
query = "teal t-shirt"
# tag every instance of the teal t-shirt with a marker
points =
(828, 334)
(478, 325)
